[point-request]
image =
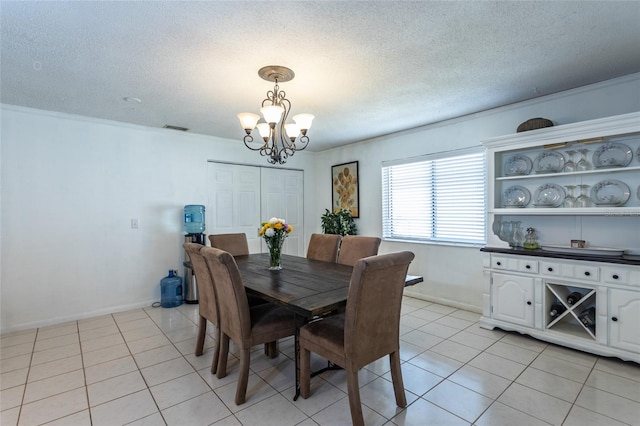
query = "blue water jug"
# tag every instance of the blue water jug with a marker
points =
(194, 219)
(171, 291)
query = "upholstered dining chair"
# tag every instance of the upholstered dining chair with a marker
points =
(236, 244)
(368, 329)
(354, 247)
(207, 306)
(245, 326)
(324, 247)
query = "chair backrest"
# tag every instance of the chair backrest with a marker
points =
(324, 247)
(372, 316)
(206, 294)
(354, 247)
(236, 244)
(233, 307)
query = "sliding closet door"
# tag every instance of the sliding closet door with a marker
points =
(282, 196)
(234, 201)
(241, 197)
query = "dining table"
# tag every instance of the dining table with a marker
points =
(309, 288)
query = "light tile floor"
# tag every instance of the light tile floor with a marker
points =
(138, 368)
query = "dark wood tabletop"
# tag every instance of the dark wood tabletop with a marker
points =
(307, 287)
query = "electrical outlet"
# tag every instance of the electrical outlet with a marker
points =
(135, 224)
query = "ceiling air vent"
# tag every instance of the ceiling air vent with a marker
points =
(169, 126)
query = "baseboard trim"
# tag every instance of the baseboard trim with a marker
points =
(448, 302)
(76, 317)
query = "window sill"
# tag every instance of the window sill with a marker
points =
(436, 243)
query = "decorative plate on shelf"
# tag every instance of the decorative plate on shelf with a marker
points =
(610, 193)
(548, 162)
(612, 155)
(516, 196)
(549, 195)
(518, 165)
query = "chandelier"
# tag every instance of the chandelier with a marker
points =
(281, 139)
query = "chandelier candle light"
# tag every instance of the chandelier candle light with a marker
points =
(279, 136)
(274, 232)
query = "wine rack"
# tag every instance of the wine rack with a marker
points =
(569, 321)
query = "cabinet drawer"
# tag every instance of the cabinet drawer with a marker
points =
(550, 268)
(616, 275)
(589, 273)
(528, 266)
(516, 265)
(499, 262)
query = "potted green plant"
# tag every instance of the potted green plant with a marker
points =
(340, 222)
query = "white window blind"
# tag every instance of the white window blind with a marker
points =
(439, 199)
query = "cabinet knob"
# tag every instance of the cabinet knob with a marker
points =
(615, 276)
(498, 263)
(529, 302)
(587, 273)
(550, 269)
(528, 266)
(614, 319)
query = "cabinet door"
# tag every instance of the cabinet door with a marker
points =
(624, 317)
(512, 298)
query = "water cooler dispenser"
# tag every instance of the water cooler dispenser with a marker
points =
(194, 226)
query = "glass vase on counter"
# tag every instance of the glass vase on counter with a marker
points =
(511, 233)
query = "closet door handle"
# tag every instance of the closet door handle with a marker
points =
(529, 302)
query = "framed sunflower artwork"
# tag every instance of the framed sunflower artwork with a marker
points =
(344, 184)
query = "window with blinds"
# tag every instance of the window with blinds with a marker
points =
(439, 198)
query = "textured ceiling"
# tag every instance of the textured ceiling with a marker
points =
(364, 69)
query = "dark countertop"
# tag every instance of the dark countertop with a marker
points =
(624, 260)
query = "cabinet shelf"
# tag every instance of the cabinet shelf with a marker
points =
(563, 211)
(573, 329)
(565, 174)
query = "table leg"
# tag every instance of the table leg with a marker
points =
(300, 321)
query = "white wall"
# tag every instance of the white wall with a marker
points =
(71, 185)
(453, 275)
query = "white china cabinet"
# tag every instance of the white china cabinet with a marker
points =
(579, 181)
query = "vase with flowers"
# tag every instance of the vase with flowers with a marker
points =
(274, 232)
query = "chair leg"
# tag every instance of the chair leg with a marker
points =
(305, 373)
(271, 349)
(355, 406)
(216, 352)
(243, 376)
(221, 371)
(202, 332)
(396, 377)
